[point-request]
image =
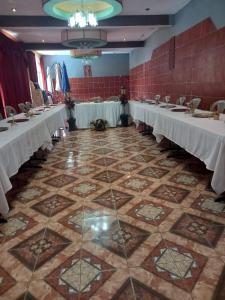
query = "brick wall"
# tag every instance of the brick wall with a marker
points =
(199, 67)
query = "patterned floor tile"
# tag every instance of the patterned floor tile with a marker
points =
(149, 212)
(185, 179)
(198, 229)
(142, 158)
(134, 148)
(60, 180)
(53, 205)
(219, 293)
(170, 193)
(16, 225)
(102, 151)
(28, 194)
(133, 289)
(43, 173)
(108, 176)
(6, 281)
(85, 170)
(126, 166)
(87, 157)
(26, 296)
(66, 165)
(136, 184)
(75, 219)
(68, 153)
(113, 199)
(153, 172)
(207, 204)
(120, 154)
(167, 162)
(84, 189)
(122, 238)
(105, 161)
(80, 276)
(100, 143)
(35, 251)
(176, 264)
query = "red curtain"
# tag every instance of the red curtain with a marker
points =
(14, 82)
(32, 66)
(43, 73)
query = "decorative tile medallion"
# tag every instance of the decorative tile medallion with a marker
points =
(207, 204)
(28, 194)
(136, 184)
(39, 248)
(153, 152)
(85, 170)
(126, 166)
(198, 229)
(15, 225)
(133, 289)
(43, 173)
(105, 161)
(108, 176)
(113, 199)
(219, 293)
(26, 296)
(65, 165)
(176, 264)
(134, 148)
(170, 193)
(100, 143)
(80, 276)
(142, 158)
(122, 238)
(120, 154)
(153, 172)
(6, 281)
(86, 157)
(75, 219)
(68, 153)
(102, 151)
(186, 179)
(84, 189)
(167, 162)
(149, 212)
(53, 205)
(60, 180)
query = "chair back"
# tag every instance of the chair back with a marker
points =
(29, 105)
(167, 98)
(157, 97)
(195, 102)
(22, 107)
(219, 106)
(10, 111)
(181, 100)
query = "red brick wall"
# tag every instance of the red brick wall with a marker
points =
(86, 88)
(199, 67)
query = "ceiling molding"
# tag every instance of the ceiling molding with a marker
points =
(124, 20)
(58, 46)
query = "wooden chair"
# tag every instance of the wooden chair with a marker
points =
(181, 100)
(36, 95)
(10, 111)
(22, 107)
(218, 106)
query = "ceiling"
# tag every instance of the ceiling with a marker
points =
(134, 10)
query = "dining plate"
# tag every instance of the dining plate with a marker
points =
(168, 106)
(180, 109)
(18, 120)
(3, 129)
(202, 115)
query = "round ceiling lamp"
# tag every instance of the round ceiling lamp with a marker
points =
(85, 53)
(82, 13)
(84, 38)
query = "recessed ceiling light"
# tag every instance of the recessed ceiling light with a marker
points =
(147, 9)
(43, 41)
(13, 10)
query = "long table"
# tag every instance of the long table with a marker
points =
(203, 138)
(87, 112)
(20, 141)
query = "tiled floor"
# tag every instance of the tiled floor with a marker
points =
(110, 217)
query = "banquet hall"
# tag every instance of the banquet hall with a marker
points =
(112, 150)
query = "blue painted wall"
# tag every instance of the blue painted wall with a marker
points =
(106, 65)
(193, 13)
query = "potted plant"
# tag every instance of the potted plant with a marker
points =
(70, 113)
(125, 109)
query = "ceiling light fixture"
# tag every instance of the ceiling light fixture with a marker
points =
(82, 13)
(13, 10)
(85, 54)
(84, 38)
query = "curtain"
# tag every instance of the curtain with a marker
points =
(14, 81)
(32, 66)
(43, 73)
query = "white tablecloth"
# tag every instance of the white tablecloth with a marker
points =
(203, 138)
(20, 141)
(87, 112)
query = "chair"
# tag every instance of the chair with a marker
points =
(195, 102)
(181, 100)
(22, 107)
(29, 105)
(157, 97)
(36, 95)
(167, 99)
(10, 111)
(218, 106)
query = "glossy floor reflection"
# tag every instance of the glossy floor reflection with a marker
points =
(109, 216)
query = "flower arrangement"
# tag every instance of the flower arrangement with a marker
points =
(99, 125)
